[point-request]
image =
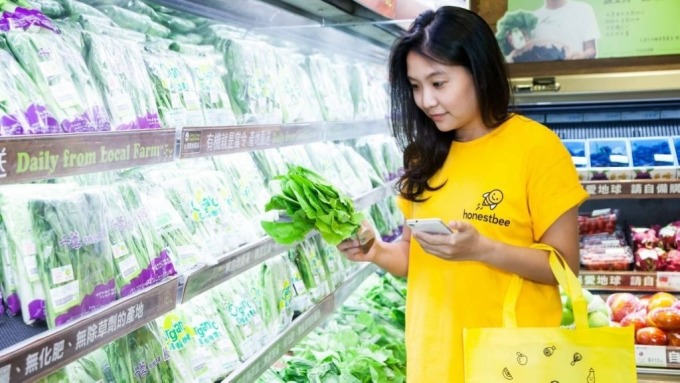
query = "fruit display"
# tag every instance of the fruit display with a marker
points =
(599, 313)
(657, 248)
(656, 317)
(602, 244)
(598, 221)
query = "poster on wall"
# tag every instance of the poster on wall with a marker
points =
(550, 30)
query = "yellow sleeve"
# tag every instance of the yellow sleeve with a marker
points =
(553, 186)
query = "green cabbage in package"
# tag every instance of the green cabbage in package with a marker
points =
(61, 75)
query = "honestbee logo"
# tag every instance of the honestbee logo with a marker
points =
(491, 200)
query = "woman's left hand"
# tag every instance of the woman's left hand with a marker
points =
(464, 244)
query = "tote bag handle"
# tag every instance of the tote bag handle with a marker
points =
(565, 278)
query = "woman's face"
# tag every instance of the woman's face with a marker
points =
(446, 93)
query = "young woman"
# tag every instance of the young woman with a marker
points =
(502, 182)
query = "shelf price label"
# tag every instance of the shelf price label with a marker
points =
(668, 280)
(39, 356)
(42, 157)
(650, 356)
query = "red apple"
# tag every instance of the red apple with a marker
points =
(651, 336)
(673, 338)
(622, 304)
(643, 302)
(637, 319)
(665, 318)
(660, 299)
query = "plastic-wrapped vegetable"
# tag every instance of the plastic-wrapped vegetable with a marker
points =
(60, 73)
(50, 8)
(22, 244)
(332, 88)
(208, 72)
(74, 255)
(149, 357)
(240, 315)
(277, 293)
(8, 287)
(120, 73)
(176, 95)
(139, 260)
(21, 15)
(135, 21)
(306, 257)
(252, 81)
(22, 108)
(298, 102)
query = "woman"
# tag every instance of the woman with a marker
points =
(502, 182)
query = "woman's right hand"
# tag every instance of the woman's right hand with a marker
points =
(358, 247)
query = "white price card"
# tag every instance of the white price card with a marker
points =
(5, 372)
(650, 356)
(619, 159)
(668, 280)
(664, 158)
(579, 160)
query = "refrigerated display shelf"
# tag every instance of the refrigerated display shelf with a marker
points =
(251, 369)
(243, 258)
(40, 354)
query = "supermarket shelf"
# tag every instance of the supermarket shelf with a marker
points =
(31, 158)
(376, 195)
(657, 375)
(243, 258)
(230, 265)
(210, 141)
(630, 281)
(627, 189)
(51, 350)
(305, 323)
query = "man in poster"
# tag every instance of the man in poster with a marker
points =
(571, 23)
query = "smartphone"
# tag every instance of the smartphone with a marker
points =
(429, 225)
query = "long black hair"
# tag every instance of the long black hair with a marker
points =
(452, 36)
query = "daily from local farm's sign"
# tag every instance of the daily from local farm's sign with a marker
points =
(41, 157)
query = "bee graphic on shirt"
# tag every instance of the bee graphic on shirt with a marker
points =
(491, 199)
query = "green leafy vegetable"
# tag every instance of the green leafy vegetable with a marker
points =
(309, 201)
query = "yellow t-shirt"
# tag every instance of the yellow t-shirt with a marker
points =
(512, 184)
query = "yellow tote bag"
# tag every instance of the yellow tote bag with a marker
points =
(549, 355)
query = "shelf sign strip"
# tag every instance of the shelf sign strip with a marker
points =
(30, 158)
(54, 349)
(633, 189)
(197, 142)
(652, 356)
(618, 280)
(231, 265)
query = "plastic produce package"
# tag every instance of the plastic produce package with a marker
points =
(240, 315)
(331, 83)
(23, 287)
(63, 79)
(208, 72)
(277, 292)
(252, 81)
(120, 73)
(139, 255)
(176, 94)
(74, 255)
(22, 109)
(20, 15)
